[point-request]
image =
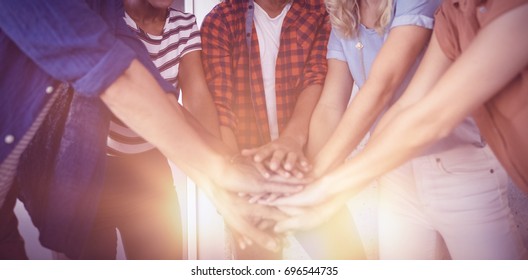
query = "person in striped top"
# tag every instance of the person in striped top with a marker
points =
(139, 198)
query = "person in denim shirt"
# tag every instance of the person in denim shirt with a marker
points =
(50, 49)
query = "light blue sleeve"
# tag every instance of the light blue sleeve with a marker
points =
(415, 12)
(335, 48)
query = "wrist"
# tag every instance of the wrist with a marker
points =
(298, 138)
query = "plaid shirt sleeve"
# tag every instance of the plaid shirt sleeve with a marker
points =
(316, 65)
(216, 51)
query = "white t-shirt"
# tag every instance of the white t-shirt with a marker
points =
(268, 33)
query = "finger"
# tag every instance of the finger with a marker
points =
(297, 173)
(266, 225)
(259, 237)
(313, 217)
(295, 223)
(300, 199)
(277, 187)
(279, 171)
(257, 197)
(261, 168)
(248, 152)
(272, 197)
(269, 213)
(282, 172)
(290, 161)
(263, 153)
(292, 180)
(243, 195)
(303, 164)
(276, 159)
(248, 241)
(292, 211)
(239, 240)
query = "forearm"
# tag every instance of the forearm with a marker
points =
(404, 137)
(195, 93)
(212, 140)
(137, 100)
(331, 105)
(229, 138)
(297, 128)
(324, 122)
(204, 111)
(352, 128)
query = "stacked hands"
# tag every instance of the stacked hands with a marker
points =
(272, 192)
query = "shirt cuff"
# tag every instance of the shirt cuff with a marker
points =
(106, 71)
(335, 55)
(417, 20)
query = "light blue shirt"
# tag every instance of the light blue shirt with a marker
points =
(405, 12)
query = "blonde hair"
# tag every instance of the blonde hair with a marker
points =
(345, 16)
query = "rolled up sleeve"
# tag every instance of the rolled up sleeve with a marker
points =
(72, 41)
(417, 13)
(217, 62)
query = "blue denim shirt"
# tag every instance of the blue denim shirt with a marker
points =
(87, 45)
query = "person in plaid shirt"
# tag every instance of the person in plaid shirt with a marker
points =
(265, 63)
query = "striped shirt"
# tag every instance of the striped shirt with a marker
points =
(179, 37)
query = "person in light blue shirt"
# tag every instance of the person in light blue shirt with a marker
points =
(451, 197)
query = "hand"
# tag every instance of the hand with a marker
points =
(283, 156)
(313, 194)
(242, 176)
(249, 222)
(309, 217)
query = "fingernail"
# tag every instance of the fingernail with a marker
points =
(242, 245)
(287, 166)
(257, 158)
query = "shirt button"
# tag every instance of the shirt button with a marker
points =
(49, 89)
(9, 139)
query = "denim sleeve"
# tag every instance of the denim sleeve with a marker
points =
(73, 41)
(416, 12)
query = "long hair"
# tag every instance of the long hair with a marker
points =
(345, 16)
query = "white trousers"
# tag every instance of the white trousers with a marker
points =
(451, 204)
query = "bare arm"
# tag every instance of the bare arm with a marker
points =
(138, 100)
(228, 136)
(196, 96)
(331, 106)
(391, 66)
(478, 74)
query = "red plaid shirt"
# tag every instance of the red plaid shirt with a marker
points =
(301, 62)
